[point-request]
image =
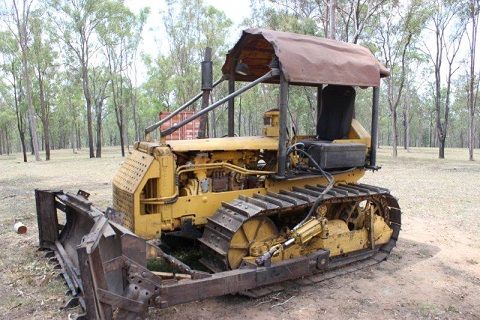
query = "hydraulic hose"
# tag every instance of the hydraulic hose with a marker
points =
(327, 175)
(331, 181)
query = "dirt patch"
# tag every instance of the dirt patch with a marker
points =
(434, 273)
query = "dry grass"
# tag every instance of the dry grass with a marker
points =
(433, 273)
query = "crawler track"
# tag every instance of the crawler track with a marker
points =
(221, 227)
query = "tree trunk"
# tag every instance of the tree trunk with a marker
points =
(46, 133)
(394, 133)
(21, 21)
(32, 122)
(24, 147)
(406, 123)
(30, 140)
(7, 141)
(472, 95)
(20, 127)
(45, 115)
(135, 116)
(98, 151)
(120, 122)
(122, 142)
(331, 18)
(88, 102)
(471, 134)
(72, 139)
(79, 137)
(6, 145)
(1, 143)
(441, 148)
(441, 151)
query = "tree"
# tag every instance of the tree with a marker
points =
(20, 13)
(77, 23)
(10, 65)
(474, 10)
(7, 119)
(99, 82)
(42, 60)
(187, 40)
(356, 16)
(120, 37)
(345, 20)
(173, 78)
(69, 109)
(396, 35)
(332, 7)
(446, 46)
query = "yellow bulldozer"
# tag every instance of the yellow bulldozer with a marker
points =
(249, 212)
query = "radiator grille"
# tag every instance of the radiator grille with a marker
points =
(126, 182)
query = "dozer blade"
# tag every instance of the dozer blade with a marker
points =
(105, 265)
(93, 253)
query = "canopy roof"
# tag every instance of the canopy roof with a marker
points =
(304, 59)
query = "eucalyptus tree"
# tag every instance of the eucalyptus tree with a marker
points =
(99, 80)
(76, 23)
(120, 38)
(12, 92)
(448, 31)
(69, 110)
(345, 20)
(191, 26)
(473, 14)
(18, 22)
(43, 58)
(7, 119)
(173, 76)
(399, 28)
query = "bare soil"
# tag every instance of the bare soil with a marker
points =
(433, 273)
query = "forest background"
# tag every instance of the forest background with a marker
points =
(84, 74)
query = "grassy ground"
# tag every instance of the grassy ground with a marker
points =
(433, 273)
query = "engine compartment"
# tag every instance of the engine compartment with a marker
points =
(222, 171)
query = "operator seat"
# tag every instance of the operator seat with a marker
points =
(334, 123)
(337, 112)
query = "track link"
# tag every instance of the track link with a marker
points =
(221, 227)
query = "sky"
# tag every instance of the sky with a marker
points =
(153, 42)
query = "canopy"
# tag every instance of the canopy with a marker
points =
(305, 60)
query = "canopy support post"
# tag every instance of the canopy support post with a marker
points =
(282, 138)
(231, 105)
(374, 131)
(319, 107)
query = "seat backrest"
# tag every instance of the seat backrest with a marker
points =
(337, 112)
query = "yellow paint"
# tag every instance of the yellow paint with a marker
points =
(145, 187)
(338, 240)
(357, 134)
(271, 121)
(225, 144)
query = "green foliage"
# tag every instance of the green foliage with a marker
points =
(102, 39)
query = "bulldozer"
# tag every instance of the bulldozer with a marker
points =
(253, 211)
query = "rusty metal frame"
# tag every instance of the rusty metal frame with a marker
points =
(106, 271)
